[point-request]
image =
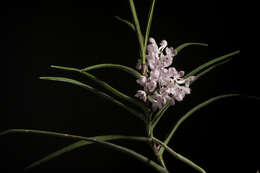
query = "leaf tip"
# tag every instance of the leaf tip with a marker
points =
(234, 53)
(26, 168)
(29, 167)
(3, 133)
(238, 51)
(53, 66)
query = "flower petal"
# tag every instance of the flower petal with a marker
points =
(142, 95)
(163, 44)
(151, 85)
(142, 81)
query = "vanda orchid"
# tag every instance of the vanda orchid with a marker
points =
(161, 86)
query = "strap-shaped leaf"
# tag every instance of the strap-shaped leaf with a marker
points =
(133, 154)
(189, 113)
(209, 63)
(129, 70)
(148, 27)
(93, 90)
(77, 145)
(119, 94)
(138, 29)
(126, 22)
(184, 45)
(64, 150)
(209, 69)
(161, 112)
(122, 149)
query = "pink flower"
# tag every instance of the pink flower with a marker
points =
(170, 51)
(163, 84)
(156, 104)
(163, 45)
(155, 74)
(142, 81)
(166, 60)
(142, 95)
(151, 85)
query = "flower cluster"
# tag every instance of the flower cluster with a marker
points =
(161, 84)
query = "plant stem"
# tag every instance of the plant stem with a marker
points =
(178, 156)
(149, 129)
(161, 160)
(159, 157)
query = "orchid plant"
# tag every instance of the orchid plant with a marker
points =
(161, 86)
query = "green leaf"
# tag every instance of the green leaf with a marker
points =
(209, 69)
(191, 112)
(59, 153)
(126, 22)
(209, 63)
(138, 29)
(135, 155)
(131, 153)
(129, 70)
(119, 94)
(160, 113)
(72, 81)
(66, 68)
(125, 150)
(93, 90)
(149, 23)
(69, 148)
(184, 45)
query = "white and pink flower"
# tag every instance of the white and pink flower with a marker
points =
(163, 84)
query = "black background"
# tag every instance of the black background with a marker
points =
(221, 137)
